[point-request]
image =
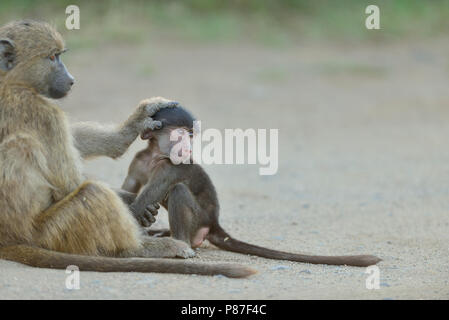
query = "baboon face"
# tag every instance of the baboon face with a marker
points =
(176, 136)
(174, 142)
(30, 54)
(59, 81)
(175, 139)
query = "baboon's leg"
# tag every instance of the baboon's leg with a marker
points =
(163, 177)
(24, 187)
(183, 215)
(127, 197)
(92, 220)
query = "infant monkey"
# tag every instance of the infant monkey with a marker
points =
(189, 196)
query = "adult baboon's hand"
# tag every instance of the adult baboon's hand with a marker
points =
(148, 108)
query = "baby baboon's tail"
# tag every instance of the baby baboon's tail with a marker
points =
(43, 258)
(224, 241)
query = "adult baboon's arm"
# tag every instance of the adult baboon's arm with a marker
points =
(93, 139)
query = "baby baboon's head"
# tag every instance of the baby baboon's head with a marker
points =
(176, 133)
(30, 55)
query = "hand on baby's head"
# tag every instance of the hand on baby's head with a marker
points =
(173, 117)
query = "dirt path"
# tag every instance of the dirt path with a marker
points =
(363, 165)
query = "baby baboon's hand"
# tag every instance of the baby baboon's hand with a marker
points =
(148, 108)
(145, 216)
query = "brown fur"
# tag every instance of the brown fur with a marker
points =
(49, 216)
(189, 196)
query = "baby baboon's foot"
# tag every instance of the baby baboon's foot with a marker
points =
(166, 248)
(184, 250)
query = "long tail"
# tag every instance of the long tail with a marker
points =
(42, 258)
(224, 241)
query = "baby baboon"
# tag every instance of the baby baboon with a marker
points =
(49, 215)
(188, 194)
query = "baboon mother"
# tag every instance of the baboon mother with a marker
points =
(50, 216)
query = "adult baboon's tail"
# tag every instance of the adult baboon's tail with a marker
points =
(224, 241)
(43, 258)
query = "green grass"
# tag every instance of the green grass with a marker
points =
(271, 22)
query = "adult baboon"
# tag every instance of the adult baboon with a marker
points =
(49, 215)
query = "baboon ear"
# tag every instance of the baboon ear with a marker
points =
(7, 54)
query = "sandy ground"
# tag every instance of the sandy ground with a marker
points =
(363, 165)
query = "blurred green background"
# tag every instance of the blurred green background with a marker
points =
(270, 22)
